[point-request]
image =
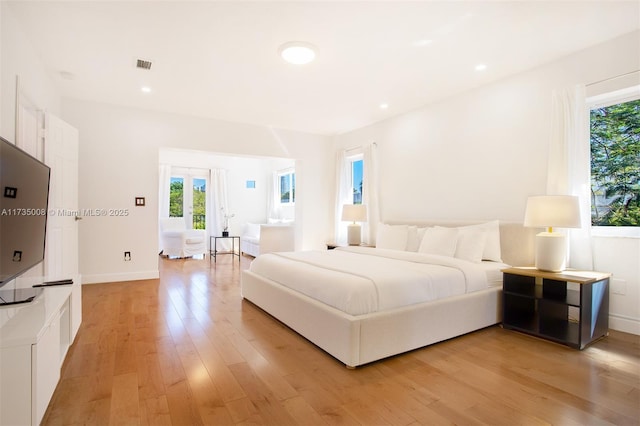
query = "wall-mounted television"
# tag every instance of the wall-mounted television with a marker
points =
(24, 196)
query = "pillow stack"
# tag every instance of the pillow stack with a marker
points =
(473, 243)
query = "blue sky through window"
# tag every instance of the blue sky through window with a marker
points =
(356, 171)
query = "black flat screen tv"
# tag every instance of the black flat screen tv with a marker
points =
(24, 182)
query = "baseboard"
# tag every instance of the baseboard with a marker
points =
(125, 276)
(624, 323)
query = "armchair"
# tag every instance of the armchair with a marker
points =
(178, 241)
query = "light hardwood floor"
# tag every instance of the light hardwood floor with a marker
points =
(187, 350)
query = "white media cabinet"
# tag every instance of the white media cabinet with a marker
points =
(34, 339)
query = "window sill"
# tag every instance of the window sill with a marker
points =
(616, 231)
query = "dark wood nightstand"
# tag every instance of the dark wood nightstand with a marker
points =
(331, 246)
(569, 307)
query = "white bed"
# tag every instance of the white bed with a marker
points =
(379, 327)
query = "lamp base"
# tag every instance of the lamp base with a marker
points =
(551, 251)
(354, 236)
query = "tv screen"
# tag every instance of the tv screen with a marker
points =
(24, 182)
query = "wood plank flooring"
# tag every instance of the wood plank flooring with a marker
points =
(187, 350)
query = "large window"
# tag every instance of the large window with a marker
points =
(287, 187)
(356, 164)
(615, 164)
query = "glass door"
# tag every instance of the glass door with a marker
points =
(188, 198)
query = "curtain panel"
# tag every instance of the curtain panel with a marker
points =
(569, 167)
(218, 201)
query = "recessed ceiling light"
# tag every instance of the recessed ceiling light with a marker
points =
(422, 43)
(145, 89)
(481, 67)
(384, 106)
(297, 52)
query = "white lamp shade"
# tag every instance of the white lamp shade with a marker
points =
(562, 211)
(354, 212)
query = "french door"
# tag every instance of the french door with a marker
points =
(188, 197)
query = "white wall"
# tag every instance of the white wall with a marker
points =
(479, 155)
(119, 155)
(19, 59)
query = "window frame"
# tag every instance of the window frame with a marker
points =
(603, 100)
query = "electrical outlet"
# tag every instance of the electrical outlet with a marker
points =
(619, 286)
(127, 256)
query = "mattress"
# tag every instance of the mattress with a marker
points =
(358, 280)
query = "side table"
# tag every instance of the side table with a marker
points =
(331, 246)
(213, 246)
(569, 307)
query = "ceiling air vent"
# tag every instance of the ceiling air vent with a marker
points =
(142, 64)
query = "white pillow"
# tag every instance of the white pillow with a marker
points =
(492, 244)
(392, 237)
(412, 238)
(439, 240)
(471, 243)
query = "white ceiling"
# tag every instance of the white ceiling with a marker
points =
(219, 59)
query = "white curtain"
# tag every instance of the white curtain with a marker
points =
(569, 168)
(370, 196)
(218, 205)
(273, 200)
(164, 189)
(343, 195)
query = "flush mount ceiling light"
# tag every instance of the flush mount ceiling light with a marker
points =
(145, 89)
(481, 67)
(297, 52)
(383, 106)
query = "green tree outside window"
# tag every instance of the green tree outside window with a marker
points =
(615, 165)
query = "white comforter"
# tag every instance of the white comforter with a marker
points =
(360, 280)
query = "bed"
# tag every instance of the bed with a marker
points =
(389, 320)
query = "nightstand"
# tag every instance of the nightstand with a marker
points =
(569, 307)
(331, 246)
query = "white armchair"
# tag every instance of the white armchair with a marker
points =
(178, 241)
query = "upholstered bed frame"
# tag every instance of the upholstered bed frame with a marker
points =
(357, 340)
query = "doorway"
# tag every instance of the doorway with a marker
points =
(188, 196)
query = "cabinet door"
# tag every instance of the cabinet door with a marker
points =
(45, 369)
(15, 385)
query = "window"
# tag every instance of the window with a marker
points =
(615, 163)
(176, 197)
(287, 187)
(188, 199)
(356, 166)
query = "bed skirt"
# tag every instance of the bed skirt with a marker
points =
(358, 340)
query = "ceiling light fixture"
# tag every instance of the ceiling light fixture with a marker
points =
(384, 106)
(481, 67)
(297, 52)
(145, 89)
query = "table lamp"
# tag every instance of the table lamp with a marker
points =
(549, 211)
(354, 213)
